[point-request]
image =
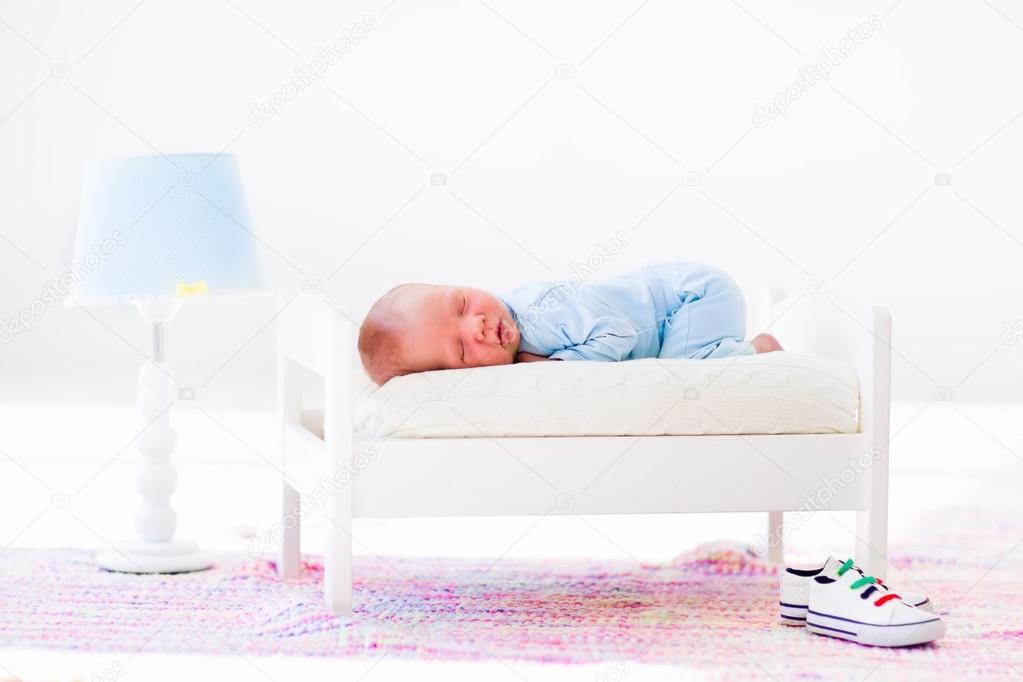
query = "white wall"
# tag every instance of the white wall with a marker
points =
(652, 134)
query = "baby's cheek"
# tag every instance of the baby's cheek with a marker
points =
(494, 356)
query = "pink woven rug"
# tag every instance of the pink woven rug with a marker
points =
(711, 608)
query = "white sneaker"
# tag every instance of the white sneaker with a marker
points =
(846, 604)
(795, 592)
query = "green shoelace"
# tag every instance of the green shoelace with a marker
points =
(864, 581)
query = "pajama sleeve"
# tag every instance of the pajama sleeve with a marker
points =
(572, 323)
(608, 340)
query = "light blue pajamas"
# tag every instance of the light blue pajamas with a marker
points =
(671, 310)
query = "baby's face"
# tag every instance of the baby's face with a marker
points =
(447, 327)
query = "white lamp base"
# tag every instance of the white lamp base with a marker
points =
(139, 556)
(156, 550)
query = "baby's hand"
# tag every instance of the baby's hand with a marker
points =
(523, 356)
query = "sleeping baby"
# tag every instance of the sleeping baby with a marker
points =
(671, 310)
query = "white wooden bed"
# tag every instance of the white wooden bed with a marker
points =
(421, 477)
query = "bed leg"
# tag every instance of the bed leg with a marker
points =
(337, 564)
(872, 539)
(776, 537)
(289, 405)
(872, 522)
(337, 432)
(289, 563)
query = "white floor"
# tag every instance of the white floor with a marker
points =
(65, 480)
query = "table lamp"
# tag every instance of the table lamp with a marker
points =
(159, 231)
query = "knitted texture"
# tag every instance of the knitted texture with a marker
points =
(713, 609)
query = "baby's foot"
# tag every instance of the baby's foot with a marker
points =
(765, 343)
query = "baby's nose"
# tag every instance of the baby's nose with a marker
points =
(479, 327)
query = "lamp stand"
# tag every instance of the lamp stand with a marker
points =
(155, 550)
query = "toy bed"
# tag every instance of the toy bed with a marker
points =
(805, 429)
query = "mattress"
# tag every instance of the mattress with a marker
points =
(772, 393)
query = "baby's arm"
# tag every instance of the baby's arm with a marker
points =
(601, 346)
(578, 326)
(609, 340)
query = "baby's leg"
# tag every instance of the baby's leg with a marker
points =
(765, 343)
(710, 321)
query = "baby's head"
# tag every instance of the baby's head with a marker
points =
(420, 327)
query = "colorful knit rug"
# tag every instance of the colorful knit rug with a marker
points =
(712, 610)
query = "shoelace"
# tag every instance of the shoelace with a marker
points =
(867, 580)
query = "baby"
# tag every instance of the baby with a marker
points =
(671, 310)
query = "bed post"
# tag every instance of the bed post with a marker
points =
(289, 397)
(769, 299)
(875, 402)
(337, 425)
(776, 537)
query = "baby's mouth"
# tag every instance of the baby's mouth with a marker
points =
(505, 333)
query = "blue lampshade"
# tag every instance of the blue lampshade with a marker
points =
(163, 226)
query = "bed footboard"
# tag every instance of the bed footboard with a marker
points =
(858, 335)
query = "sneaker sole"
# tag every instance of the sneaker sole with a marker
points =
(909, 634)
(795, 614)
(792, 614)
